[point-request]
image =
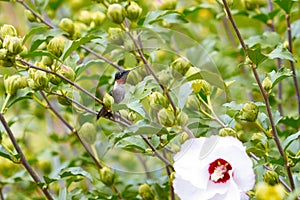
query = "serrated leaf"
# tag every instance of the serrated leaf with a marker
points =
(256, 56)
(285, 5)
(49, 180)
(282, 53)
(290, 121)
(289, 140)
(75, 171)
(169, 16)
(76, 44)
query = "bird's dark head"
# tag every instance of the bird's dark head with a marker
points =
(121, 76)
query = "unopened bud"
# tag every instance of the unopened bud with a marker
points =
(11, 84)
(227, 132)
(167, 4)
(201, 86)
(30, 16)
(38, 81)
(166, 117)
(182, 119)
(85, 17)
(249, 112)
(67, 72)
(88, 132)
(67, 25)
(56, 46)
(116, 13)
(264, 191)
(131, 116)
(164, 77)
(13, 44)
(267, 85)
(107, 176)
(158, 101)
(54, 79)
(98, 18)
(180, 66)
(271, 177)
(7, 29)
(108, 101)
(146, 192)
(115, 35)
(9, 61)
(46, 60)
(134, 11)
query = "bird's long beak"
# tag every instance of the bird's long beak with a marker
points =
(134, 68)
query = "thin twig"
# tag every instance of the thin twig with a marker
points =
(76, 103)
(63, 78)
(172, 194)
(24, 161)
(265, 97)
(23, 3)
(289, 31)
(72, 129)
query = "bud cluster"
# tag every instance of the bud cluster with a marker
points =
(14, 83)
(10, 45)
(117, 13)
(201, 86)
(180, 66)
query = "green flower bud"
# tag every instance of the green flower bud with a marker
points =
(22, 82)
(9, 61)
(201, 86)
(55, 80)
(116, 13)
(131, 116)
(267, 85)
(227, 132)
(7, 30)
(63, 100)
(3, 53)
(67, 25)
(192, 103)
(249, 112)
(98, 18)
(134, 11)
(164, 77)
(158, 101)
(88, 132)
(85, 17)
(166, 117)
(56, 46)
(47, 61)
(264, 191)
(108, 101)
(67, 72)
(38, 81)
(107, 176)
(116, 36)
(182, 119)
(30, 16)
(180, 66)
(271, 177)
(11, 84)
(13, 44)
(146, 192)
(168, 4)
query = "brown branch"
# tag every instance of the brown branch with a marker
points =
(265, 97)
(24, 161)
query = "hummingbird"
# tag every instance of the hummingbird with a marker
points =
(117, 92)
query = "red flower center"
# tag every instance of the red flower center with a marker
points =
(218, 171)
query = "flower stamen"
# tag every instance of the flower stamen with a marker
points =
(219, 171)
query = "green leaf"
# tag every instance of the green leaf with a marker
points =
(295, 27)
(289, 140)
(291, 122)
(268, 39)
(282, 53)
(76, 44)
(276, 77)
(49, 180)
(75, 171)
(285, 5)
(34, 31)
(40, 53)
(169, 16)
(6, 153)
(255, 55)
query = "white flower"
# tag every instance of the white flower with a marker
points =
(214, 168)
